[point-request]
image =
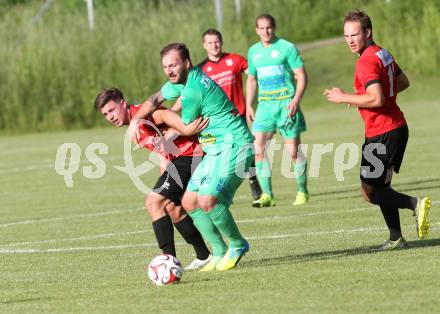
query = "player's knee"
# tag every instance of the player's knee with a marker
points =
(154, 205)
(176, 212)
(207, 202)
(189, 203)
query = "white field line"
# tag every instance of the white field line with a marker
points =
(48, 165)
(129, 246)
(32, 221)
(239, 221)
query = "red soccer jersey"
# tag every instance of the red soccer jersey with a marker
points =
(151, 137)
(376, 65)
(227, 73)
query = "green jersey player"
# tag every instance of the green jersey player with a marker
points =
(227, 144)
(275, 66)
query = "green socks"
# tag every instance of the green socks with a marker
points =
(264, 176)
(222, 218)
(301, 176)
(209, 231)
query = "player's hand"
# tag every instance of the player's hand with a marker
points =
(250, 117)
(334, 95)
(293, 107)
(196, 126)
(133, 130)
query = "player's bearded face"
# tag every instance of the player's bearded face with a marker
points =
(174, 67)
(356, 38)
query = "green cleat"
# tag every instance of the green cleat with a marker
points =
(301, 198)
(394, 245)
(265, 200)
(212, 264)
(232, 257)
(421, 212)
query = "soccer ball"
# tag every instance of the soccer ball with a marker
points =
(165, 269)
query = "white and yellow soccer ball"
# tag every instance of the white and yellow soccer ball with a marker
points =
(164, 270)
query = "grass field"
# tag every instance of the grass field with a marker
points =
(84, 249)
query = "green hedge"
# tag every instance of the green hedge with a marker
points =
(52, 69)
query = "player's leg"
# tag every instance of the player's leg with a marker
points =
(263, 170)
(300, 169)
(206, 227)
(167, 194)
(253, 181)
(200, 218)
(291, 129)
(216, 196)
(161, 221)
(395, 142)
(263, 129)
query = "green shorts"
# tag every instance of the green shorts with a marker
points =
(221, 174)
(273, 114)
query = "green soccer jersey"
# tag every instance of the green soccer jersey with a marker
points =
(200, 96)
(273, 67)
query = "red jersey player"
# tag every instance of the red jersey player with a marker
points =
(377, 81)
(226, 70)
(183, 154)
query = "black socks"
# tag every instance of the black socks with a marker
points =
(164, 231)
(192, 236)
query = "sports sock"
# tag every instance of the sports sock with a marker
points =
(301, 176)
(164, 231)
(209, 231)
(192, 236)
(222, 218)
(392, 219)
(264, 176)
(253, 181)
(389, 198)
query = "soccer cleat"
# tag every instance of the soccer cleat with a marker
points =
(421, 212)
(265, 200)
(255, 188)
(198, 263)
(301, 198)
(212, 263)
(394, 245)
(232, 257)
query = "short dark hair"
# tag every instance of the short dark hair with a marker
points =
(266, 16)
(181, 49)
(212, 31)
(361, 17)
(107, 95)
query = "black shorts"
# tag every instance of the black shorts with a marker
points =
(173, 181)
(381, 155)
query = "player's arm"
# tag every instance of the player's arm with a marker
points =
(373, 98)
(300, 75)
(177, 107)
(402, 82)
(149, 106)
(172, 119)
(251, 89)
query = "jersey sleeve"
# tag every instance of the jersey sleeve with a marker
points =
(191, 104)
(294, 58)
(251, 67)
(242, 62)
(368, 72)
(171, 91)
